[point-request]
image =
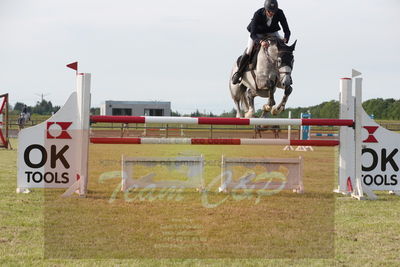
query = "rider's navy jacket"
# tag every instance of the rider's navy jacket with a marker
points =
(258, 24)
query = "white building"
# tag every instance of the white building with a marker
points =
(135, 108)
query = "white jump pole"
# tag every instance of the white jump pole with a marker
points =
(346, 163)
(83, 97)
(350, 139)
(358, 190)
(83, 110)
(289, 147)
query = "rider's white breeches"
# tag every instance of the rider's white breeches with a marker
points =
(250, 42)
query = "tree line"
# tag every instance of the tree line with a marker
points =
(42, 108)
(382, 109)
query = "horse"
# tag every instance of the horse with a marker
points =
(258, 129)
(23, 119)
(273, 69)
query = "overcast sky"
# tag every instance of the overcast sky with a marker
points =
(183, 50)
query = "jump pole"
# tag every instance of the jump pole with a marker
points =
(4, 121)
(211, 141)
(220, 121)
(350, 139)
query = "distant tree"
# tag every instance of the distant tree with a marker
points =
(44, 108)
(229, 114)
(329, 110)
(378, 107)
(95, 111)
(56, 108)
(393, 112)
(195, 114)
(19, 106)
(175, 114)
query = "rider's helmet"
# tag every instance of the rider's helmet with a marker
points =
(271, 5)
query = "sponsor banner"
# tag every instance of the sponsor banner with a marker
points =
(380, 156)
(49, 153)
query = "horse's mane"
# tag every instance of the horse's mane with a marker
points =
(273, 40)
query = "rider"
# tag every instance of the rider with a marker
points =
(265, 22)
(25, 109)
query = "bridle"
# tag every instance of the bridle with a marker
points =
(270, 58)
(284, 73)
(281, 70)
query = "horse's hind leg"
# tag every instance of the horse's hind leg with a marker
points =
(237, 107)
(281, 106)
(238, 92)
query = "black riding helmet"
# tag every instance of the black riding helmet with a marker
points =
(271, 5)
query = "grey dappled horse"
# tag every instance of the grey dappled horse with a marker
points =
(23, 119)
(273, 69)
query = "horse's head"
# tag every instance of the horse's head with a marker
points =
(285, 61)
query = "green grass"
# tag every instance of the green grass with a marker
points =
(43, 229)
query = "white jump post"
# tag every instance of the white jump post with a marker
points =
(346, 165)
(83, 89)
(289, 147)
(54, 153)
(358, 123)
(350, 139)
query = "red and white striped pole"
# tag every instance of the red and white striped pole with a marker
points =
(220, 121)
(210, 141)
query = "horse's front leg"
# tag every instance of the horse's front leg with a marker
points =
(271, 101)
(250, 100)
(281, 107)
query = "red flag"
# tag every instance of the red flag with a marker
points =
(73, 66)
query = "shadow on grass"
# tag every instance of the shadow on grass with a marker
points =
(285, 225)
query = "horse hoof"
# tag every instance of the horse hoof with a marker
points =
(276, 111)
(267, 108)
(248, 115)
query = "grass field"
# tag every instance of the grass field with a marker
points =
(317, 228)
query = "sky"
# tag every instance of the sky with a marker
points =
(183, 50)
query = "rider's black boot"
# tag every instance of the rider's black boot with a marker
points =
(244, 60)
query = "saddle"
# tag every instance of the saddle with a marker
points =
(253, 58)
